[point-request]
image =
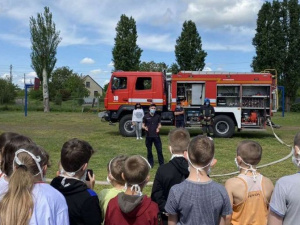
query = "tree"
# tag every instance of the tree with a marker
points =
(174, 68)
(277, 43)
(126, 53)
(8, 91)
(153, 66)
(44, 40)
(66, 83)
(188, 49)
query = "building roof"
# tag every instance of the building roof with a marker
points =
(92, 80)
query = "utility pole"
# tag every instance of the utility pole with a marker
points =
(24, 79)
(11, 76)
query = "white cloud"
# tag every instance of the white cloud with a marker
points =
(31, 74)
(96, 71)
(111, 64)
(87, 61)
(207, 69)
(5, 76)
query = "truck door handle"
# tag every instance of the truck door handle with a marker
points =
(125, 99)
(149, 100)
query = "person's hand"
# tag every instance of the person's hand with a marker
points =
(157, 130)
(146, 128)
(91, 182)
(208, 118)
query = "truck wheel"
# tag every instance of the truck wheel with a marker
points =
(125, 126)
(223, 126)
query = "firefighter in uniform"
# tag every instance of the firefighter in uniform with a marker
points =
(207, 114)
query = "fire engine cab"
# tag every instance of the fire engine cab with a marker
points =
(241, 100)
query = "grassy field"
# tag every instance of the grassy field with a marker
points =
(53, 129)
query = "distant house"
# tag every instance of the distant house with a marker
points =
(94, 88)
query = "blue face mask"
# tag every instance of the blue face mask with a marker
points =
(152, 111)
(207, 103)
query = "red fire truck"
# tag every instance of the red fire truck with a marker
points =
(241, 100)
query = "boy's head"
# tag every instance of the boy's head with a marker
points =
(201, 151)
(297, 142)
(74, 154)
(249, 151)
(179, 139)
(8, 152)
(136, 171)
(115, 169)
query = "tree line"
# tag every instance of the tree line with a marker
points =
(276, 42)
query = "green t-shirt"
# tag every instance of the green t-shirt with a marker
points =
(105, 196)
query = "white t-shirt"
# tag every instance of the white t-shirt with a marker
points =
(50, 206)
(137, 115)
(285, 200)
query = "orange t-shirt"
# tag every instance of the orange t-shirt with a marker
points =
(254, 209)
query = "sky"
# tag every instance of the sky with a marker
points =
(87, 29)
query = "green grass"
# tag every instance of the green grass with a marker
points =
(51, 130)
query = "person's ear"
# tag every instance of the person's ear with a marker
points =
(122, 175)
(110, 176)
(85, 166)
(185, 154)
(213, 163)
(239, 159)
(44, 170)
(297, 151)
(170, 149)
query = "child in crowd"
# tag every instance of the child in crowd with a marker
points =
(285, 201)
(173, 172)
(27, 199)
(132, 207)
(137, 120)
(249, 192)
(198, 199)
(115, 169)
(7, 158)
(83, 203)
(5, 138)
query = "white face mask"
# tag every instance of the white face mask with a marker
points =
(199, 169)
(108, 180)
(247, 169)
(174, 155)
(296, 160)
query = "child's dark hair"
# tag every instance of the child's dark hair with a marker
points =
(5, 138)
(152, 105)
(74, 154)
(136, 170)
(201, 150)
(137, 104)
(249, 151)
(8, 152)
(116, 168)
(179, 139)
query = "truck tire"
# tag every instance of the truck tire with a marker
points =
(125, 126)
(223, 126)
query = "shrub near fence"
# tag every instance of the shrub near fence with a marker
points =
(72, 105)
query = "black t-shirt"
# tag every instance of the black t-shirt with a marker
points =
(181, 116)
(152, 123)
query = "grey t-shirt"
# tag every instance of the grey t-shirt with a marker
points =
(285, 201)
(198, 202)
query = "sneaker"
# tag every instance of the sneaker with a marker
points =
(141, 138)
(137, 138)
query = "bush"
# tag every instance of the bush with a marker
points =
(36, 94)
(58, 99)
(7, 91)
(295, 107)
